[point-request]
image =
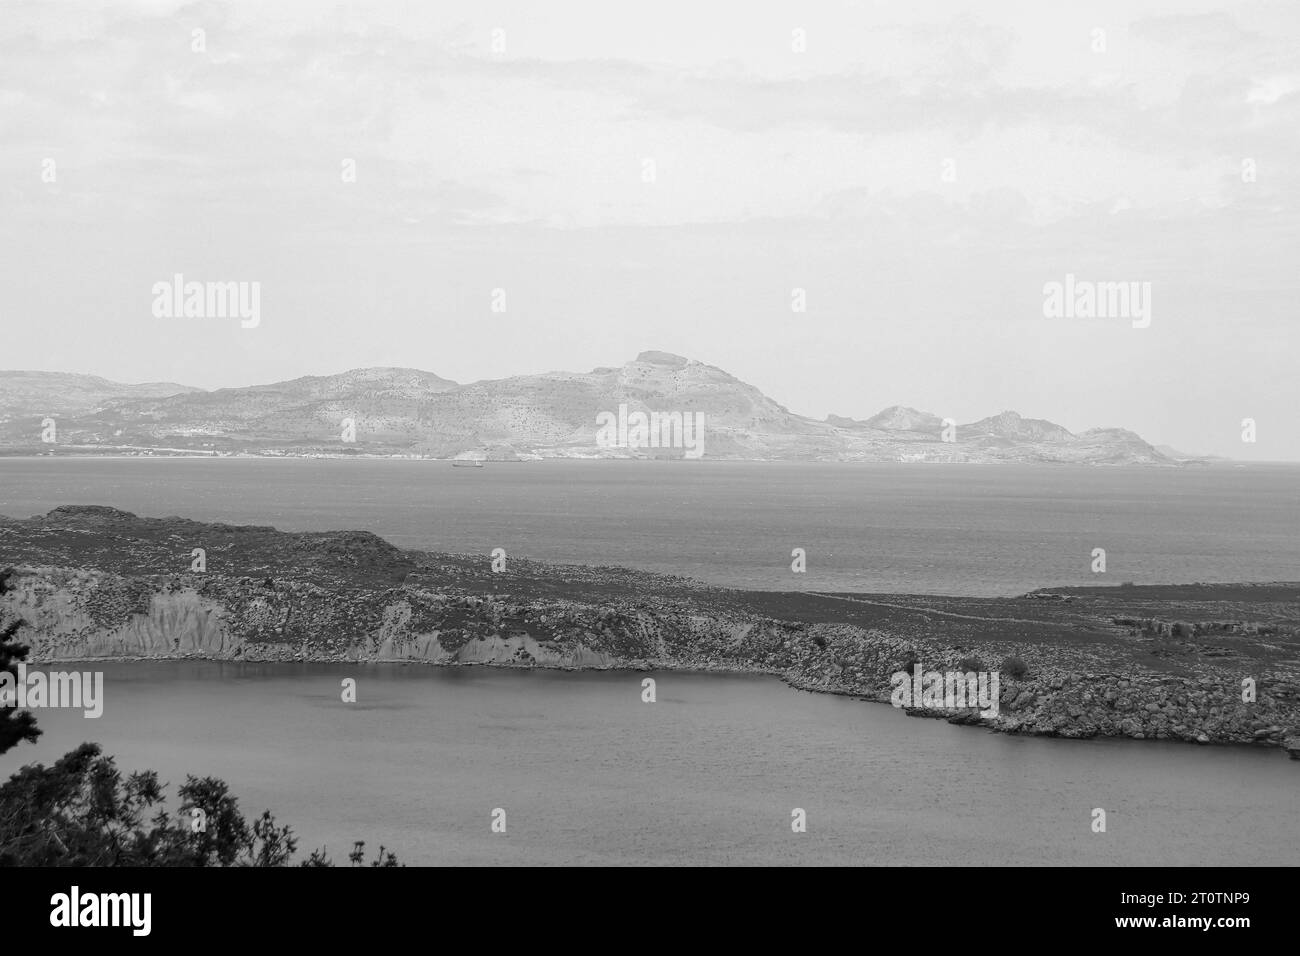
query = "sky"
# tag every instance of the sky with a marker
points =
(672, 176)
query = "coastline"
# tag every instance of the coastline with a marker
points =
(964, 717)
(149, 452)
(1146, 662)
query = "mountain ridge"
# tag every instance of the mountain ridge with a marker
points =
(56, 392)
(385, 410)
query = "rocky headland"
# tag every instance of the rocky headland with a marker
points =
(1203, 663)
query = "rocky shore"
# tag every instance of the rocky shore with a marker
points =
(1199, 663)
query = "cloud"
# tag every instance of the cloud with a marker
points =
(441, 127)
(1215, 30)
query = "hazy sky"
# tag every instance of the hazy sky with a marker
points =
(921, 170)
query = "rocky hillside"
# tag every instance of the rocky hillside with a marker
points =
(41, 394)
(388, 411)
(1146, 662)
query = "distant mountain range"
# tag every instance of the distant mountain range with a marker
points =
(399, 411)
(63, 393)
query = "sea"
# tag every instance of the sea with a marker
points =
(585, 772)
(577, 768)
(955, 529)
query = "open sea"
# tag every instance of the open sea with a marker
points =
(990, 530)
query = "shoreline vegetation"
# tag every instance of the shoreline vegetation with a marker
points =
(1201, 663)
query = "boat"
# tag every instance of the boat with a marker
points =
(467, 463)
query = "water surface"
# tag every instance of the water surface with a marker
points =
(709, 774)
(939, 528)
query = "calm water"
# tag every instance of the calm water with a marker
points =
(948, 529)
(587, 773)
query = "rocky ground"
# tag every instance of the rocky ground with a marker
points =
(1175, 662)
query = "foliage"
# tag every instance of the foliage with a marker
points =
(1014, 667)
(83, 812)
(15, 726)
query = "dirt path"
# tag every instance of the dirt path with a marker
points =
(928, 611)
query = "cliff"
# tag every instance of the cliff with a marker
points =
(1165, 663)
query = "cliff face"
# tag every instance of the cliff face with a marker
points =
(75, 614)
(84, 614)
(353, 598)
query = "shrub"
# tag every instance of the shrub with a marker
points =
(15, 726)
(83, 811)
(1014, 667)
(968, 664)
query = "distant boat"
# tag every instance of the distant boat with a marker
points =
(467, 463)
